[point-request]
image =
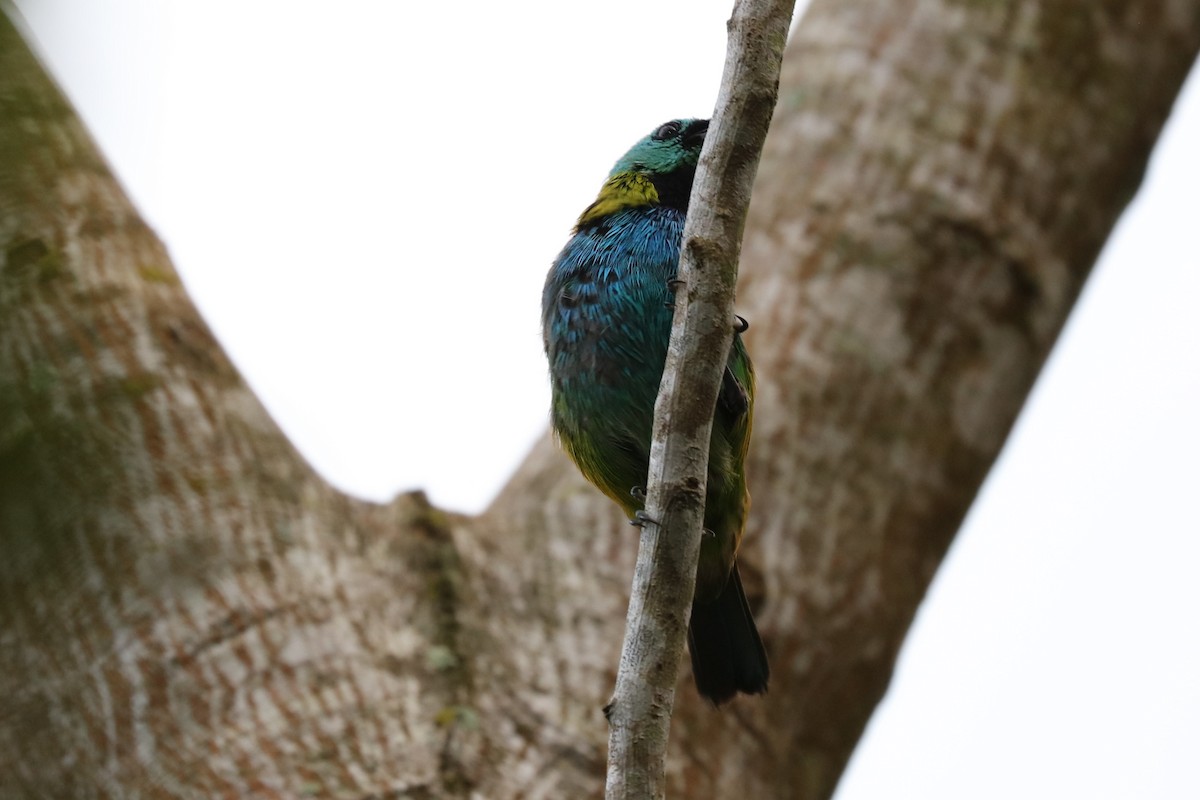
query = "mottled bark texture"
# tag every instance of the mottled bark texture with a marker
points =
(187, 611)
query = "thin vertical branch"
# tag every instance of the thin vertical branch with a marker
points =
(665, 576)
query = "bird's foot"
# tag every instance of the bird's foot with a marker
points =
(638, 493)
(707, 534)
(740, 324)
(641, 519)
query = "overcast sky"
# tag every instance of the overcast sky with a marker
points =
(354, 191)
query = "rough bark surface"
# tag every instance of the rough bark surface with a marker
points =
(186, 610)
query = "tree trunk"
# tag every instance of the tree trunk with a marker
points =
(187, 610)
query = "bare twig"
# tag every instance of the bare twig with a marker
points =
(664, 579)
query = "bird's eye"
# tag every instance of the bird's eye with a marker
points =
(666, 131)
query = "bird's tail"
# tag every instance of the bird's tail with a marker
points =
(727, 653)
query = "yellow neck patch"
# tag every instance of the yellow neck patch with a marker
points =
(623, 190)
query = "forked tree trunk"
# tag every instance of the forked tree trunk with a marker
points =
(187, 610)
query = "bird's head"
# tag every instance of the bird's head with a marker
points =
(673, 146)
(658, 170)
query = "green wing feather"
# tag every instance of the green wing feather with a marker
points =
(728, 501)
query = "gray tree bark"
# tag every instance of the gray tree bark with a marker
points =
(187, 610)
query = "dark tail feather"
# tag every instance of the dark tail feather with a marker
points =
(727, 654)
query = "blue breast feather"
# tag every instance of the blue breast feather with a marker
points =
(606, 327)
(605, 319)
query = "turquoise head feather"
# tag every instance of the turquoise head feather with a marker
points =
(658, 170)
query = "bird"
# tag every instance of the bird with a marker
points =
(607, 309)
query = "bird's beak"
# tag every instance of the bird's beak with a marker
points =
(694, 136)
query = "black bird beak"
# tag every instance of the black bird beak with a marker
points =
(694, 135)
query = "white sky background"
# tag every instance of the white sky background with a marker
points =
(354, 191)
